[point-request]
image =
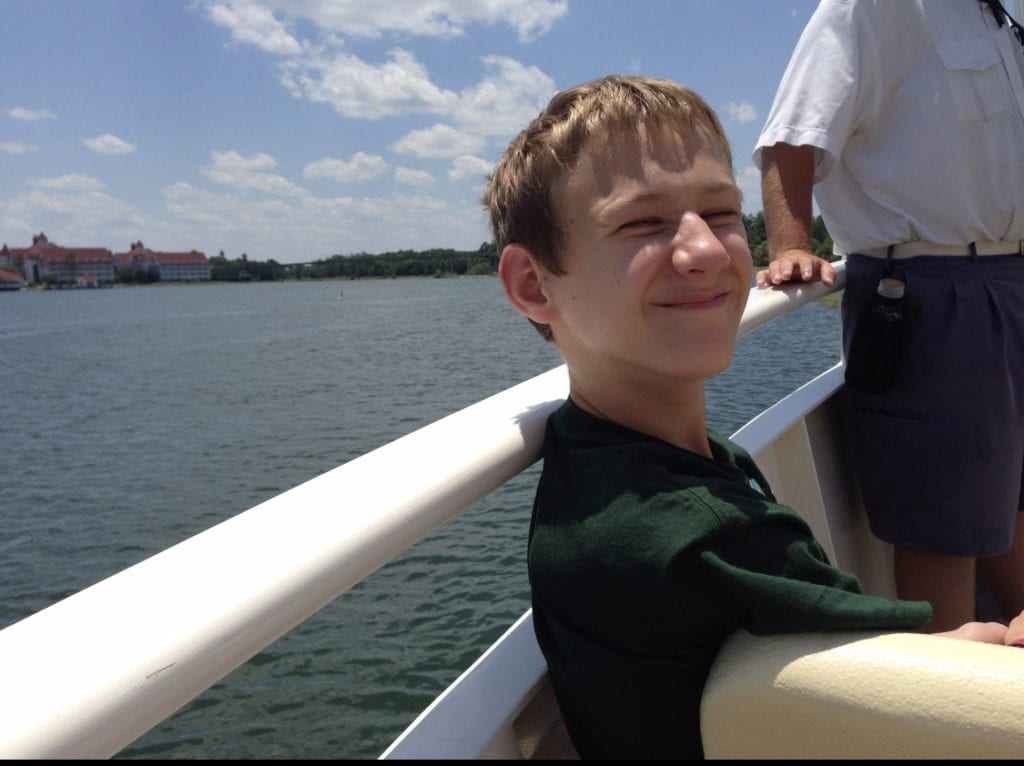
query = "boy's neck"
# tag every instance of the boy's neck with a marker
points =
(676, 417)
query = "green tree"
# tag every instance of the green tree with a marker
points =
(754, 224)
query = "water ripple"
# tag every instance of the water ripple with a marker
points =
(159, 412)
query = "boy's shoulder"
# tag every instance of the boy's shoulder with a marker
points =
(603, 465)
(571, 429)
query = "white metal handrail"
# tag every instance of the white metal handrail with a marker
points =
(88, 675)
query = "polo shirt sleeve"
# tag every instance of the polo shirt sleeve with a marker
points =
(768, 575)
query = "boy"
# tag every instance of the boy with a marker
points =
(619, 224)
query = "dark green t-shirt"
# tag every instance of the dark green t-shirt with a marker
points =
(644, 557)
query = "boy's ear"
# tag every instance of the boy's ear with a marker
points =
(524, 282)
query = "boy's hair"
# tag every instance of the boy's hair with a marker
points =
(520, 194)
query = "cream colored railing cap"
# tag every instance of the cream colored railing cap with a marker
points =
(862, 695)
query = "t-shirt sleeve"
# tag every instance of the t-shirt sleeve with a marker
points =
(770, 576)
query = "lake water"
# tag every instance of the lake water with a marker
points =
(133, 418)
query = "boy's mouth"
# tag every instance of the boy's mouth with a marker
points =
(695, 301)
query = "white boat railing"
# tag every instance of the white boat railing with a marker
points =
(90, 674)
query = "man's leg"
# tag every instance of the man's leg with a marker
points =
(946, 582)
(1005, 576)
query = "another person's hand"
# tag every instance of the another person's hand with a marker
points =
(1015, 631)
(796, 265)
(990, 632)
(985, 632)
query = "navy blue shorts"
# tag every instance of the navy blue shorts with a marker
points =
(940, 454)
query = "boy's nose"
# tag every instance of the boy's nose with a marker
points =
(696, 247)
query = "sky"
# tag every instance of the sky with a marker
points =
(295, 130)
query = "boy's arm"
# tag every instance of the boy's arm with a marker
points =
(777, 579)
(787, 180)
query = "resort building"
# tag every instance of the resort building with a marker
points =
(47, 262)
(192, 266)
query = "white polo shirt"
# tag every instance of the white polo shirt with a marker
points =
(916, 111)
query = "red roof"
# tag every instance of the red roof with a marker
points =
(10, 276)
(57, 254)
(51, 253)
(168, 259)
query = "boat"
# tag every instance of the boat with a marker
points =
(90, 674)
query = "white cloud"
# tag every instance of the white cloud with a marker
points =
(323, 225)
(508, 97)
(412, 177)
(743, 112)
(71, 182)
(359, 18)
(249, 173)
(401, 85)
(21, 113)
(470, 167)
(254, 23)
(108, 144)
(362, 167)
(505, 100)
(76, 210)
(16, 147)
(437, 141)
(317, 70)
(534, 19)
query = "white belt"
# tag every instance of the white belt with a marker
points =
(910, 249)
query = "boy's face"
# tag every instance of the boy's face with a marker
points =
(657, 267)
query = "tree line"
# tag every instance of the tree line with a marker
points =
(441, 262)
(437, 262)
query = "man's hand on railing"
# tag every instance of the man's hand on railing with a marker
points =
(798, 265)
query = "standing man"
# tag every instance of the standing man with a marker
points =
(906, 117)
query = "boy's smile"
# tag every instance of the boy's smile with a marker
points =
(657, 268)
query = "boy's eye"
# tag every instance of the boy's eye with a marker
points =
(641, 223)
(721, 217)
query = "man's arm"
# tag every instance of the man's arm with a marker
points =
(787, 179)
